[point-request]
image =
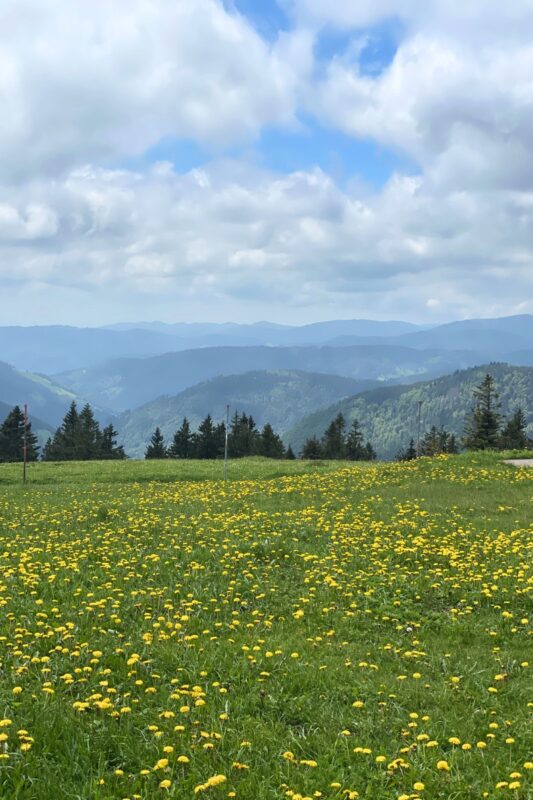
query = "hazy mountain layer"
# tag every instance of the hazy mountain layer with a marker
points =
(127, 383)
(45, 398)
(56, 348)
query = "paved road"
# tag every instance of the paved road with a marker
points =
(520, 462)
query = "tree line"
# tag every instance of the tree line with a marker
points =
(485, 429)
(339, 443)
(79, 438)
(209, 440)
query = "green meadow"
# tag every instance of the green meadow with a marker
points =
(302, 630)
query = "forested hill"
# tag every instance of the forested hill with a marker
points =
(281, 397)
(388, 414)
(123, 384)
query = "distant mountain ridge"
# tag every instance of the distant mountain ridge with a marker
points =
(388, 414)
(127, 383)
(56, 348)
(280, 397)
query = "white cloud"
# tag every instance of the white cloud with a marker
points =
(105, 80)
(238, 235)
(84, 87)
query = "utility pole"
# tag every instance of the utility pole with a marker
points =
(25, 443)
(418, 427)
(226, 445)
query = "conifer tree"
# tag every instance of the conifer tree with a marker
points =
(333, 445)
(243, 436)
(514, 435)
(156, 448)
(483, 425)
(89, 441)
(109, 447)
(289, 455)
(182, 443)
(206, 439)
(270, 444)
(355, 448)
(312, 449)
(369, 453)
(12, 438)
(409, 454)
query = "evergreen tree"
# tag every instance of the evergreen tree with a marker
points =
(355, 449)
(243, 436)
(369, 453)
(270, 443)
(514, 435)
(433, 442)
(108, 444)
(333, 440)
(89, 442)
(206, 439)
(182, 443)
(156, 448)
(409, 454)
(12, 438)
(453, 447)
(483, 425)
(289, 455)
(312, 449)
(220, 439)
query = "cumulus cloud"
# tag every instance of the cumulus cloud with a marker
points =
(104, 80)
(84, 88)
(230, 233)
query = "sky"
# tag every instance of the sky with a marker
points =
(290, 160)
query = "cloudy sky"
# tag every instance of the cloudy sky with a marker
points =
(291, 160)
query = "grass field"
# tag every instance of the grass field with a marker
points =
(301, 631)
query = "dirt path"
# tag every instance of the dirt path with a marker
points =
(520, 462)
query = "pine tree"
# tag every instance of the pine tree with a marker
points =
(312, 449)
(270, 443)
(333, 446)
(243, 436)
(409, 454)
(514, 435)
(89, 441)
(108, 444)
(355, 449)
(369, 453)
(182, 443)
(156, 448)
(483, 425)
(12, 433)
(206, 439)
(289, 455)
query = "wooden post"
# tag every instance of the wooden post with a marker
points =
(25, 443)
(226, 445)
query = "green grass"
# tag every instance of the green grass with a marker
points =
(151, 611)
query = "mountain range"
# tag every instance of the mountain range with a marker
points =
(144, 374)
(388, 415)
(56, 348)
(126, 383)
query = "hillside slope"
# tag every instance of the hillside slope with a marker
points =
(388, 414)
(127, 383)
(280, 397)
(46, 399)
